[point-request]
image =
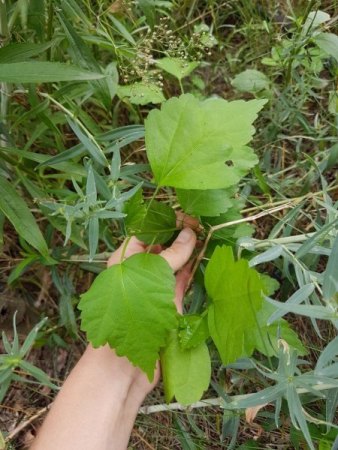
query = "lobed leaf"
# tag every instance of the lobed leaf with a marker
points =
(186, 373)
(177, 67)
(194, 144)
(235, 291)
(152, 222)
(130, 306)
(193, 330)
(141, 93)
(211, 202)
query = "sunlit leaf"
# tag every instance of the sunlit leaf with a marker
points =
(235, 291)
(194, 144)
(212, 202)
(186, 373)
(141, 93)
(179, 68)
(44, 72)
(130, 306)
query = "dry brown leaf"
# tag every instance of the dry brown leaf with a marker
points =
(251, 413)
(116, 7)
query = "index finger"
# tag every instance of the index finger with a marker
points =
(179, 253)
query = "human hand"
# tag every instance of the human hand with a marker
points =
(104, 391)
(177, 256)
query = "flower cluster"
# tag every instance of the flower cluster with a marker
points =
(162, 41)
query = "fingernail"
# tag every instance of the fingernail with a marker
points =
(184, 236)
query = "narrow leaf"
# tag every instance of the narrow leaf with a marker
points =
(20, 52)
(330, 284)
(43, 72)
(18, 213)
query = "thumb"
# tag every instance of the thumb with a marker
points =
(129, 247)
(178, 254)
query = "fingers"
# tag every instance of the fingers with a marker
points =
(132, 247)
(178, 254)
(183, 220)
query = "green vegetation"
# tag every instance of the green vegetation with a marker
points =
(113, 117)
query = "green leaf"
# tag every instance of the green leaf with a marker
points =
(211, 202)
(18, 213)
(43, 72)
(141, 93)
(20, 52)
(122, 30)
(177, 67)
(194, 144)
(314, 20)
(83, 57)
(152, 222)
(89, 144)
(231, 232)
(186, 373)
(251, 81)
(21, 268)
(330, 283)
(193, 330)
(270, 285)
(264, 337)
(130, 306)
(328, 42)
(235, 291)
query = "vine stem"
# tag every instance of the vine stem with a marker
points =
(218, 401)
(5, 88)
(229, 224)
(125, 245)
(294, 199)
(151, 409)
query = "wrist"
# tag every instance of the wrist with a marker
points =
(114, 370)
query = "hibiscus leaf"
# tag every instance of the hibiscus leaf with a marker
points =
(186, 373)
(193, 144)
(235, 291)
(152, 222)
(130, 306)
(211, 202)
(193, 330)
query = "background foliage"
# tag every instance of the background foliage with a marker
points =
(77, 81)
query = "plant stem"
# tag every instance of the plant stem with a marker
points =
(181, 86)
(4, 87)
(50, 28)
(229, 224)
(125, 245)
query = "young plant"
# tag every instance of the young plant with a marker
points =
(13, 362)
(201, 149)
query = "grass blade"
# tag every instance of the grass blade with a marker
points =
(44, 72)
(18, 213)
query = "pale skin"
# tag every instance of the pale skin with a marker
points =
(98, 403)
